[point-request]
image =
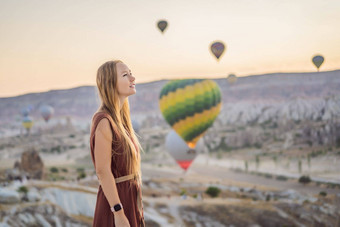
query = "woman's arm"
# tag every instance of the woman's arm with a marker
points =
(102, 154)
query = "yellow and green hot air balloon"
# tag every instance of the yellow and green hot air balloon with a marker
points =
(190, 106)
(27, 123)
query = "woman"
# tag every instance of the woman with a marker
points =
(115, 150)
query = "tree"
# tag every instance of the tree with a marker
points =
(213, 191)
(304, 180)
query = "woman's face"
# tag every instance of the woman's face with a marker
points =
(125, 81)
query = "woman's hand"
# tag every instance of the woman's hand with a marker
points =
(120, 219)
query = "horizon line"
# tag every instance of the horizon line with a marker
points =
(152, 81)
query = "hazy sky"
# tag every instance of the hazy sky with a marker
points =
(60, 44)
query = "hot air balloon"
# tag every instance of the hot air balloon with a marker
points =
(180, 151)
(46, 112)
(318, 60)
(232, 78)
(27, 123)
(162, 25)
(190, 106)
(217, 49)
(26, 110)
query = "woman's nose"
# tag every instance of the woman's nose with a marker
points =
(133, 78)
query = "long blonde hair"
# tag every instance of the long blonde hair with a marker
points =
(108, 92)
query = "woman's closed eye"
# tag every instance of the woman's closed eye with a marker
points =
(127, 74)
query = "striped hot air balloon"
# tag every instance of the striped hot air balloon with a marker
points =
(27, 123)
(190, 106)
(46, 112)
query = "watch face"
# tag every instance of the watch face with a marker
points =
(117, 207)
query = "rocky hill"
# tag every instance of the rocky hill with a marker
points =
(292, 108)
(253, 98)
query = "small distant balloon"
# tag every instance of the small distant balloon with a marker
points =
(46, 112)
(27, 123)
(26, 110)
(232, 78)
(217, 49)
(162, 25)
(318, 60)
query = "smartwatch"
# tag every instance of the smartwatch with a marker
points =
(117, 207)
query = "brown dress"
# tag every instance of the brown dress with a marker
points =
(127, 190)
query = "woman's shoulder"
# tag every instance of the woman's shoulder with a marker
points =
(98, 113)
(104, 125)
(104, 122)
(104, 129)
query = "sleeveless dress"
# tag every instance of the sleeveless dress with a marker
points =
(127, 190)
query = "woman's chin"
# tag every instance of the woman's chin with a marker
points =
(133, 92)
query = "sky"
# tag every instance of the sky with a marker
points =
(60, 44)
